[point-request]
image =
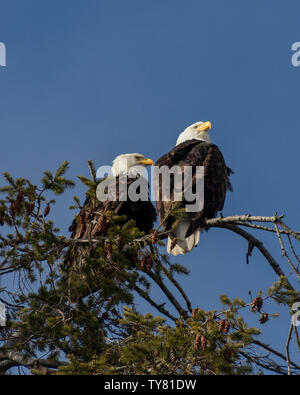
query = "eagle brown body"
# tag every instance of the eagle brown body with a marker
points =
(216, 182)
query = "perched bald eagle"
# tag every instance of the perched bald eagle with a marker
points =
(91, 220)
(193, 148)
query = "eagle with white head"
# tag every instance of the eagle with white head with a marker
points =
(193, 148)
(91, 220)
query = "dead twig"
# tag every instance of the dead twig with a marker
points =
(284, 251)
(287, 349)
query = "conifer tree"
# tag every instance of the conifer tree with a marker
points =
(70, 303)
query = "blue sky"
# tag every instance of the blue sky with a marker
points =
(90, 79)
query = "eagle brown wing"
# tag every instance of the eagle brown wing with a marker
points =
(91, 220)
(216, 179)
(173, 157)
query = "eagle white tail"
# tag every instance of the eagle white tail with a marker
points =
(183, 245)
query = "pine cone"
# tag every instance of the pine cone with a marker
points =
(197, 342)
(12, 210)
(256, 304)
(20, 197)
(30, 208)
(154, 237)
(172, 355)
(226, 326)
(17, 207)
(264, 318)
(47, 210)
(149, 263)
(221, 325)
(203, 342)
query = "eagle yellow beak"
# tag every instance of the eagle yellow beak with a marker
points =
(204, 127)
(146, 162)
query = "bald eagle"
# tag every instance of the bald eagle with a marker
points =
(91, 220)
(193, 148)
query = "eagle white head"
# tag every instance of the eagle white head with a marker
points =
(198, 131)
(131, 165)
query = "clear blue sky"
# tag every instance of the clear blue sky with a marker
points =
(90, 79)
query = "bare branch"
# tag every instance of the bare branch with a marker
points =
(158, 280)
(287, 349)
(297, 336)
(259, 245)
(160, 308)
(11, 358)
(284, 251)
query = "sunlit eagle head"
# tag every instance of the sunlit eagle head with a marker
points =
(130, 164)
(198, 131)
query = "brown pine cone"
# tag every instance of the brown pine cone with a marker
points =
(47, 210)
(149, 263)
(20, 197)
(256, 304)
(197, 342)
(172, 355)
(154, 237)
(12, 210)
(30, 208)
(203, 342)
(226, 326)
(221, 325)
(17, 207)
(264, 318)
